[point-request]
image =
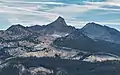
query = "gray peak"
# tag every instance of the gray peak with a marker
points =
(93, 28)
(18, 30)
(93, 24)
(100, 32)
(59, 22)
(60, 19)
(15, 27)
(18, 25)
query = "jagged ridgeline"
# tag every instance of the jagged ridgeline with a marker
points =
(92, 38)
(60, 49)
(78, 40)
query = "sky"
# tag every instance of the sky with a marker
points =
(76, 12)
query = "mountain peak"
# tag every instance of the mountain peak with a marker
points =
(15, 27)
(93, 24)
(59, 22)
(100, 32)
(60, 18)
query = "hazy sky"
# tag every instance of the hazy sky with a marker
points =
(76, 12)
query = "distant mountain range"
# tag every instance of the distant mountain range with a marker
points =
(92, 30)
(92, 45)
(99, 32)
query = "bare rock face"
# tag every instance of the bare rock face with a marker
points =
(99, 32)
(58, 26)
(59, 22)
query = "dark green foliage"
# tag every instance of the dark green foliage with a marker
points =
(10, 70)
(69, 67)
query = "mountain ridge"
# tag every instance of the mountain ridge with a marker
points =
(99, 32)
(27, 50)
(59, 28)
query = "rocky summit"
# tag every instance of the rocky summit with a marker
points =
(100, 32)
